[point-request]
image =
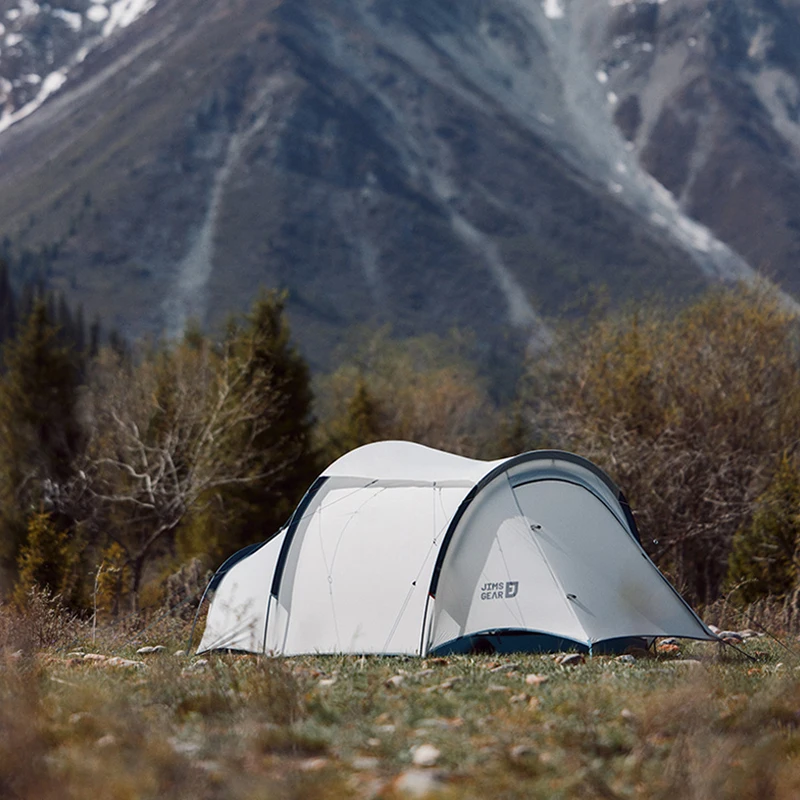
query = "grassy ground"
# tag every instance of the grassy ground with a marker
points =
(230, 726)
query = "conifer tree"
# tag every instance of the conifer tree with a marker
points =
(40, 433)
(360, 425)
(7, 305)
(281, 373)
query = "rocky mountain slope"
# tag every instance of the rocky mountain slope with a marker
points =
(427, 163)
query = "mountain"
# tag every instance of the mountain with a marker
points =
(431, 164)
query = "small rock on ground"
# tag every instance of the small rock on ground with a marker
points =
(535, 680)
(365, 763)
(503, 667)
(425, 755)
(571, 660)
(417, 783)
(118, 661)
(520, 751)
(313, 764)
(448, 684)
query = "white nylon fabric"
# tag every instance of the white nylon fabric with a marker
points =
(617, 590)
(494, 576)
(360, 566)
(237, 616)
(409, 463)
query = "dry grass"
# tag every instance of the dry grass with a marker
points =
(338, 727)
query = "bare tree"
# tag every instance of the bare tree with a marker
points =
(167, 436)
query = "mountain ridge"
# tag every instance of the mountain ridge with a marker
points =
(436, 165)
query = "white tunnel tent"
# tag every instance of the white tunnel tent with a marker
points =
(401, 549)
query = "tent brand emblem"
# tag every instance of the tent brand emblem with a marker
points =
(499, 591)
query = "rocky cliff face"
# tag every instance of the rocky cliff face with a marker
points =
(487, 165)
(707, 95)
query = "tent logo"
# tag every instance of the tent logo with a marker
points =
(499, 591)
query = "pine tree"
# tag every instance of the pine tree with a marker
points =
(274, 365)
(40, 433)
(7, 305)
(361, 423)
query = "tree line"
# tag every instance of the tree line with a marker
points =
(119, 466)
(138, 459)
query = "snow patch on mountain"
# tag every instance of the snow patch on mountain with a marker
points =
(75, 31)
(124, 12)
(553, 9)
(97, 12)
(50, 85)
(72, 18)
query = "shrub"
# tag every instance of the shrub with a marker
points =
(46, 560)
(763, 558)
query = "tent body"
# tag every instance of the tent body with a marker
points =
(401, 549)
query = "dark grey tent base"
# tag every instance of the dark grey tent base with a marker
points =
(510, 641)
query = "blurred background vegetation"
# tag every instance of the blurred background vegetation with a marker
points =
(127, 471)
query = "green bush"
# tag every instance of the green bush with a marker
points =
(763, 558)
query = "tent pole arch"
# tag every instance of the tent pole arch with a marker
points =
(530, 457)
(294, 521)
(292, 529)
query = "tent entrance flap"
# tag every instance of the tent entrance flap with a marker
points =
(494, 576)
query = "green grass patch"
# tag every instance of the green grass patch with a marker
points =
(697, 724)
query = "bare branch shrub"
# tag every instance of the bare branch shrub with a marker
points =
(43, 623)
(166, 436)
